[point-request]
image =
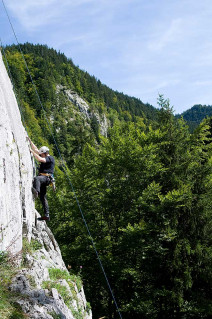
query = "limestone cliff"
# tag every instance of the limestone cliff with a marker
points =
(44, 286)
(85, 110)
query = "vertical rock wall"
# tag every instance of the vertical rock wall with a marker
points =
(16, 205)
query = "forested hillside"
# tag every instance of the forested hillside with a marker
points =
(55, 77)
(145, 189)
(196, 114)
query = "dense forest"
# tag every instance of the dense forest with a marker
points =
(195, 115)
(145, 189)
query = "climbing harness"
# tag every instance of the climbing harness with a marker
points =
(51, 180)
(64, 167)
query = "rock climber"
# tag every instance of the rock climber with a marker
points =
(44, 177)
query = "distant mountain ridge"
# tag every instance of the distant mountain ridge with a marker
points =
(196, 114)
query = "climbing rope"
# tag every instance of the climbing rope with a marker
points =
(64, 167)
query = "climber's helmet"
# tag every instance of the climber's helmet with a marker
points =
(43, 149)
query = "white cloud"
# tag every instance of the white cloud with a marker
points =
(34, 14)
(203, 83)
(169, 36)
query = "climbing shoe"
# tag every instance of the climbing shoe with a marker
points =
(35, 193)
(46, 218)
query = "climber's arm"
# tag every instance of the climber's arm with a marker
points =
(38, 158)
(33, 146)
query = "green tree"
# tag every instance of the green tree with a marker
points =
(146, 196)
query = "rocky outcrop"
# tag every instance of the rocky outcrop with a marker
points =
(103, 124)
(79, 102)
(45, 283)
(84, 109)
(44, 286)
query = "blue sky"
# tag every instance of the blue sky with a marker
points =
(138, 47)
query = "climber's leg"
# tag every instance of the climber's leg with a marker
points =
(37, 184)
(43, 197)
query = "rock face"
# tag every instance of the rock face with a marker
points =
(49, 290)
(45, 287)
(84, 109)
(16, 204)
(78, 101)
